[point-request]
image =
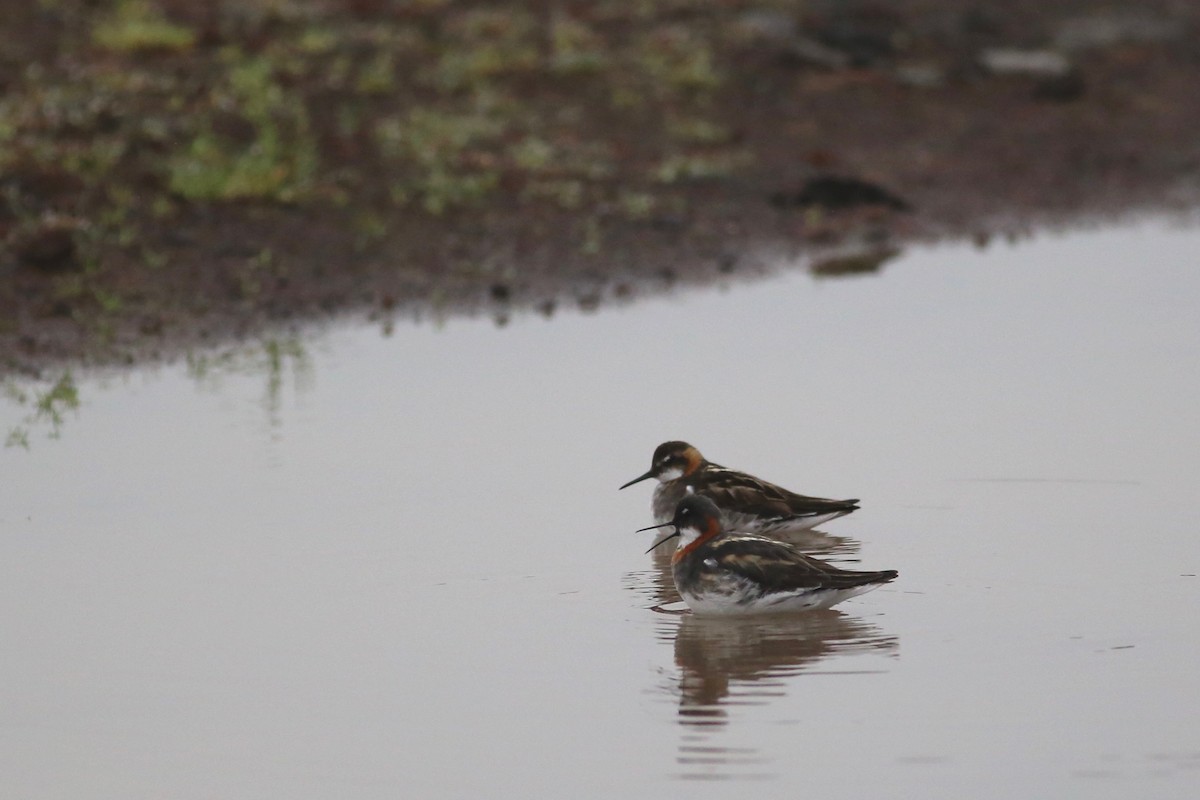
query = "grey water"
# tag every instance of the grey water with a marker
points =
(391, 561)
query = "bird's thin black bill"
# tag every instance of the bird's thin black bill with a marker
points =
(638, 479)
(662, 539)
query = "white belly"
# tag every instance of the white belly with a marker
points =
(750, 601)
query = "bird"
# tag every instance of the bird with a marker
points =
(738, 573)
(748, 504)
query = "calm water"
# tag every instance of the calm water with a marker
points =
(399, 566)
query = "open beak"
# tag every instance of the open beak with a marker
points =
(638, 479)
(666, 538)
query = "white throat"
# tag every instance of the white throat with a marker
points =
(674, 473)
(687, 536)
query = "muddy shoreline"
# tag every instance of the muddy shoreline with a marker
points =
(225, 173)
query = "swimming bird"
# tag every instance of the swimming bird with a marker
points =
(737, 573)
(748, 504)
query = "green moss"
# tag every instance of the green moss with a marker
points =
(533, 154)
(575, 48)
(136, 25)
(483, 44)
(440, 105)
(8, 126)
(109, 302)
(689, 167)
(379, 75)
(154, 259)
(369, 228)
(593, 238)
(636, 205)
(445, 155)
(698, 131)
(281, 161)
(317, 41)
(677, 58)
(441, 189)
(567, 194)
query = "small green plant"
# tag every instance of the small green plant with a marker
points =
(17, 437)
(49, 408)
(109, 302)
(272, 358)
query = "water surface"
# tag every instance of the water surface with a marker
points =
(381, 566)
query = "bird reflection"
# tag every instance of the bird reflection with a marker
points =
(728, 662)
(749, 658)
(825, 546)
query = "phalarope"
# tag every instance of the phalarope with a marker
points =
(748, 504)
(736, 573)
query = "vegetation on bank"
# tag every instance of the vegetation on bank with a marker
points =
(179, 172)
(134, 109)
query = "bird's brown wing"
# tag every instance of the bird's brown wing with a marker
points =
(778, 567)
(732, 489)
